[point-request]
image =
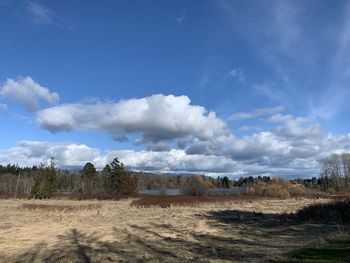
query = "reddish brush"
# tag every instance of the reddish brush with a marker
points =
(168, 200)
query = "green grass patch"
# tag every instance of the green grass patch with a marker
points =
(334, 251)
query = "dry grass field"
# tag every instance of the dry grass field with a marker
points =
(120, 231)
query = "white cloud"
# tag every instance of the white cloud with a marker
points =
(278, 117)
(205, 142)
(157, 118)
(35, 152)
(292, 145)
(292, 127)
(177, 161)
(247, 128)
(259, 145)
(28, 92)
(253, 155)
(295, 140)
(40, 14)
(237, 74)
(70, 155)
(259, 112)
(251, 148)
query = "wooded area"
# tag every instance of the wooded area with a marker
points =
(44, 181)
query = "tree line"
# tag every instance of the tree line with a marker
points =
(45, 181)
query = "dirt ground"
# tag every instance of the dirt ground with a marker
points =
(115, 231)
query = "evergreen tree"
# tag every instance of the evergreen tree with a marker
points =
(88, 178)
(45, 181)
(226, 182)
(119, 179)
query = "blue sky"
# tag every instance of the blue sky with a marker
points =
(218, 87)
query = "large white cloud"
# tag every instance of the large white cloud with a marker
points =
(28, 92)
(157, 118)
(291, 146)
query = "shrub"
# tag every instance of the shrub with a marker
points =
(250, 191)
(195, 185)
(337, 211)
(278, 187)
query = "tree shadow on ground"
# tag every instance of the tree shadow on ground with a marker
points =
(230, 236)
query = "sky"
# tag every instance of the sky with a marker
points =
(215, 87)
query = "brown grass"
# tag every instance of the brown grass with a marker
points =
(48, 207)
(116, 231)
(11, 196)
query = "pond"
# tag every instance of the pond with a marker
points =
(159, 192)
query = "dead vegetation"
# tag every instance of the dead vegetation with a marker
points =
(242, 229)
(281, 188)
(189, 200)
(48, 207)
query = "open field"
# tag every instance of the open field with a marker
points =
(245, 230)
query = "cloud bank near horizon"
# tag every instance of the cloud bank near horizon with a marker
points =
(74, 156)
(176, 136)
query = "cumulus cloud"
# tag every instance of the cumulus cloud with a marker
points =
(292, 127)
(258, 145)
(249, 148)
(157, 118)
(205, 143)
(28, 92)
(294, 141)
(259, 112)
